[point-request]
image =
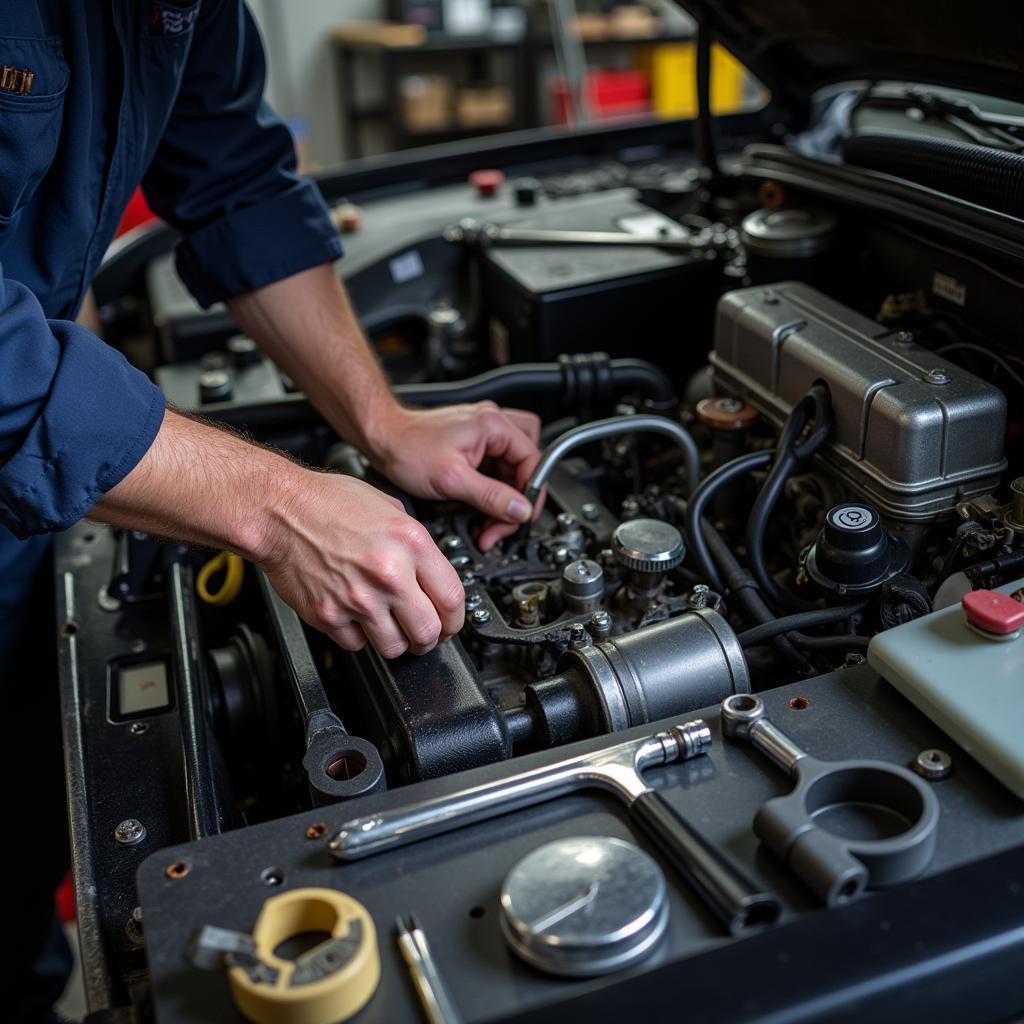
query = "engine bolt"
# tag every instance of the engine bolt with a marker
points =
(566, 520)
(698, 596)
(129, 832)
(133, 927)
(473, 601)
(560, 554)
(481, 617)
(139, 728)
(590, 512)
(933, 764)
(578, 635)
(600, 623)
(904, 338)
(630, 508)
(938, 376)
(450, 542)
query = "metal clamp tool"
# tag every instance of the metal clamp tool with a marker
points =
(837, 867)
(737, 900)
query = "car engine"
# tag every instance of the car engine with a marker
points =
(806, 439)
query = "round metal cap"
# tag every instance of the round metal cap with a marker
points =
(584, 906)
(788, 232)
(583, 579)
(648, 545)
(214, 386)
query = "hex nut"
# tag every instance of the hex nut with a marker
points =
(933, 764)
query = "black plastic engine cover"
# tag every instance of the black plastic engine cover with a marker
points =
(429, 715)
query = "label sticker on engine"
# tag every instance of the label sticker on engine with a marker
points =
(949, 288)
(406, 267)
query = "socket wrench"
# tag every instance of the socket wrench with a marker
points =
(738, 901)
(837, 867)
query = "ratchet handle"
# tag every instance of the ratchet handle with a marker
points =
(737, 900)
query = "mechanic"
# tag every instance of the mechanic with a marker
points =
(96, 97)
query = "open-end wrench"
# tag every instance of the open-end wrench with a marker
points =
(836, 867)
(738, 901)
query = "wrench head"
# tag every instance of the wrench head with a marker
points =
(740, 712)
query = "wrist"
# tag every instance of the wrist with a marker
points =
(262, 528)
(383, 430)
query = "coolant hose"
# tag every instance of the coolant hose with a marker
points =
(989, 177)
(801, 620)
(574, 381)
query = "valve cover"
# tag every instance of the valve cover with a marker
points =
(912, 434)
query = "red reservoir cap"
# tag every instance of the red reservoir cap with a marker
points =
(993, 612)
(487, 182)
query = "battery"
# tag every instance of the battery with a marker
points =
(543, 300)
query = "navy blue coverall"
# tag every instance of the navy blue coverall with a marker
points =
(120, 92)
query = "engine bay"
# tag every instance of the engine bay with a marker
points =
(775, 428)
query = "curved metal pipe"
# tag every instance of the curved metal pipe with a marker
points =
(614, 426)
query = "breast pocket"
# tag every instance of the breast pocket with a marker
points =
(33, 79)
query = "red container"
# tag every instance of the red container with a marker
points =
(609, 92)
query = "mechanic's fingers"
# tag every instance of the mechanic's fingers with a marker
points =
(349, 637)
(387, 637)
(527, 422)
(419, 622)
(505, 440)
(441, 583)
(493, 532)
(493, 497)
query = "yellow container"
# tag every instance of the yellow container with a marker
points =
(672, 68)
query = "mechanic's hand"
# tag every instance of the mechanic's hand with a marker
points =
(439, 453)
(350, 561)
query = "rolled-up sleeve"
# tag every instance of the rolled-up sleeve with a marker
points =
(224, 172)
(75, 416)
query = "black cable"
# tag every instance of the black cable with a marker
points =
(801, 620)
(814, 408)
(844, 641)
(700, 499)
(743, 586)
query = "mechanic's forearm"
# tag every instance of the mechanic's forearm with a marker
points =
(202, 485)
(306, 325)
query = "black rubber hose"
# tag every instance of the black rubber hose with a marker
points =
(575, 380)
(842, 641)
(814, 408)
(699, 501)
(994, 571)
(793, 623)
(992, 178)
(743, 586)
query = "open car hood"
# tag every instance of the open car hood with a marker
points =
(798, 46)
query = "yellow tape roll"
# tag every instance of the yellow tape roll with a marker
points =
(329, 983)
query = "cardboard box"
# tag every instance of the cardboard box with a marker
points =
(426, 102)
(491, 106)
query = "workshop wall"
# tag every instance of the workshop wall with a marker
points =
(303, 81)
